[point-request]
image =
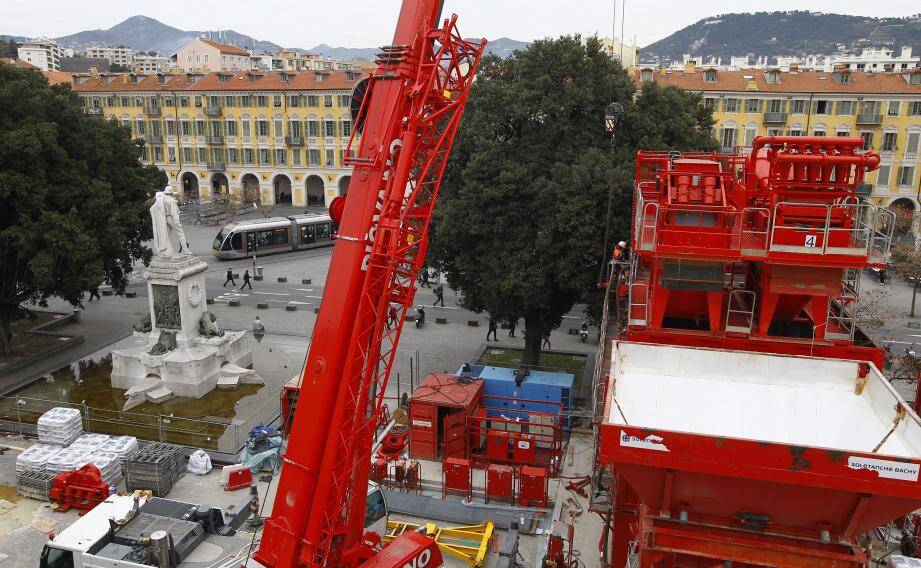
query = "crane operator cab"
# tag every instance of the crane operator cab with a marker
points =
(376, 511)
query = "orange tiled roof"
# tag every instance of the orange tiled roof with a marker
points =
(58, 77)
(790, 82)
(228, 49)
(240, 81)
(17, 62)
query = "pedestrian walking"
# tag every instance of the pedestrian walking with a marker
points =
(391, 318)
(512, 323)
(424, 278)
(246, 281)
(198, 219)
(94, 291)
(439, 295)
(258, 326)
(493, 328)
(545, 344)
(230, 279)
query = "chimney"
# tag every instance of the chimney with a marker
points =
(689, 65)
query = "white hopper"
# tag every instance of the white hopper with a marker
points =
(66, 460)
(90, 442)
(60, 426)
(109, 465)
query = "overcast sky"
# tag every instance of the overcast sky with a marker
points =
(370, 23)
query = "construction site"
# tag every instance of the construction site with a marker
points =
(734, 412)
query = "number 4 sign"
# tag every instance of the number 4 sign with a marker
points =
(810, 241)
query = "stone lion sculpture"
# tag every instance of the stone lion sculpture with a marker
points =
(143, 323)
(207, 327)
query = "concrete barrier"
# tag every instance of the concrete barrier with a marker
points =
(441, 320)
(257, 277)
(282, 278)
(209, 301)
(473, 323)
(573, 331)
(316, 309)
(290, 307)
(107, 291)
(233, 303)
(306, 280)
(263, 305)
(131, 294)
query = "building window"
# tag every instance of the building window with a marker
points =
(750, 133)
(262, 101)
(158, 154)
(233, 155)
(247, 155)
(198, 102)
(867, 140)
(246, 101)
(245, 126)
(911, 147)
(906, 176)
(170, 128)
(279, 128)
(882, 176)
(772, 77)
(842, 132)
(731, 105)
(345, 101)
(230, 101)
(185, 128)
(262, 128)
(202, 155)
(313, 128)
(276, 101)
(346, 128)
(796, 132)
(184, 102)
(889, 139)
(752, 105)
(327, 100)
(295, 156)
(709, 76)
(187, 155)
(231, 128)
(823, 107)
(265, 157)
(329, 128)
(199, 128)
(330, 158)
(728, 138)
(313, 101)
(710, 103)
(313, 157)
(171, 154)
(915, 108)
(893, 109)
(775, 105)
(819, 132)
(280, 157)
(845, 107)
(294, 100)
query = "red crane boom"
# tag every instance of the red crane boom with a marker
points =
(410, 116)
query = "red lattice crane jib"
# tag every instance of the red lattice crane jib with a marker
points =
(409, 116)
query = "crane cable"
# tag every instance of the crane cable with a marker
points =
(613, 92)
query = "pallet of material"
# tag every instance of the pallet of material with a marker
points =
(156, 467)
(34, 484)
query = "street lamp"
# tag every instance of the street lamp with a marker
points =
(19, 404)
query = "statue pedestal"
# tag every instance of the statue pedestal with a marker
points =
(175, 358)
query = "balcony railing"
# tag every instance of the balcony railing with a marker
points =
(214, 139)
(213, 111)
(152, 111)
(294, 140)
(95, 110)
(153, 138)
(775, 117)
(217, 166)
(864, 119)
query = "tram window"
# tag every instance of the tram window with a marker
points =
(322, 231)
(236, 241)
(219, 239)
(308, 234)
(272, 237)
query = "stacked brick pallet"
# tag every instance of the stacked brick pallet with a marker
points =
(156, 467)
(34, 484)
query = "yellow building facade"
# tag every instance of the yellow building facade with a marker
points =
(883, 108)
(272, 138)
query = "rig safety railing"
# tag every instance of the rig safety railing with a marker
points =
(856, 230)
(741, 305)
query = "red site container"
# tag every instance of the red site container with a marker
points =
(438, 411)
(532, 487)
(457, 477)
(500, 483)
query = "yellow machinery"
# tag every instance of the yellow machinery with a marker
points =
(470, 544)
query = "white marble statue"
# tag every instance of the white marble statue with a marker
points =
(168, 238)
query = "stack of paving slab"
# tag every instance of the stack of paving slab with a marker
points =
(68, 459)
(89, 442)
(35, 457)
(156, 467)
(60, 426)
(109, 465)
(122, 446)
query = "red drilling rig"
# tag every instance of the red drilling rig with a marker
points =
(741, 415)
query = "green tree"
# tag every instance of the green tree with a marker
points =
(9, 48)
(119, 68)
(906, 263)
(73, 197)
(521, 223)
